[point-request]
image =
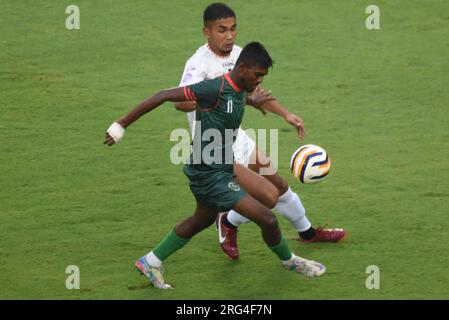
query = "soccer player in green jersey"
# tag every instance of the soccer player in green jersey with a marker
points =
(220, 104)
(215, 58)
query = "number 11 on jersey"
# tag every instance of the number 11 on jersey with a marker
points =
(229, 106)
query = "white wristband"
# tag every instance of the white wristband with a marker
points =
(116, 131)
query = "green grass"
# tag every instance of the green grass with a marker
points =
(375, 100)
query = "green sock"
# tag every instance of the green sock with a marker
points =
(171, 243)
(282, 250)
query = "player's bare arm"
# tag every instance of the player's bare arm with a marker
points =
(116, 130)
(275, 107)
(185, 106)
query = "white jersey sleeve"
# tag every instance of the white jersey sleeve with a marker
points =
(193, 72)
(236, 50)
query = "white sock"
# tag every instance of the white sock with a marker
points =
(153, 260)
(291, 207)
(236, 218)
(289, 261)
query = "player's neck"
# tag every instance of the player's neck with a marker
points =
(217, 52)
(236, 80)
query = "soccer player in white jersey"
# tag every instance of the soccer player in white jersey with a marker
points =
(214, 59)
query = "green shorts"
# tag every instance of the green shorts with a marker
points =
(217, 189)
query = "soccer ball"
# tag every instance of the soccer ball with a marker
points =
(310, 164)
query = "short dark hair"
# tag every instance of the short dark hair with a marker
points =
(217, 11)
(254, 53)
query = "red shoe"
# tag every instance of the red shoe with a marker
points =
(327, 235)
(227, 237)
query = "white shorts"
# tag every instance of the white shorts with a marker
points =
(243, 147)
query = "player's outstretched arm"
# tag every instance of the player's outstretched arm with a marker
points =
(116, 131)
(275, 107)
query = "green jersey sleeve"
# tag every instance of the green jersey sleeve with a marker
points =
(205, 93)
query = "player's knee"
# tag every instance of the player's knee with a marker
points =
(270, 221)
(271, 197)
(278, 182)
(282, 186)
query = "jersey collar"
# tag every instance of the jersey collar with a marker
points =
(218, 56)
(231, 82)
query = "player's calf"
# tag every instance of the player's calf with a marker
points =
(263, 217)
(202, 218)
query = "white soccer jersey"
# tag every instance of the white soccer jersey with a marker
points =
(205, 65)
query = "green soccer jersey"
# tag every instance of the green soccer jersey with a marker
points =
(219, 112)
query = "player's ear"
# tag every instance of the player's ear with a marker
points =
(241, 67)
(206, 32)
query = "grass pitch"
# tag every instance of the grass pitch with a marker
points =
(376, 100)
